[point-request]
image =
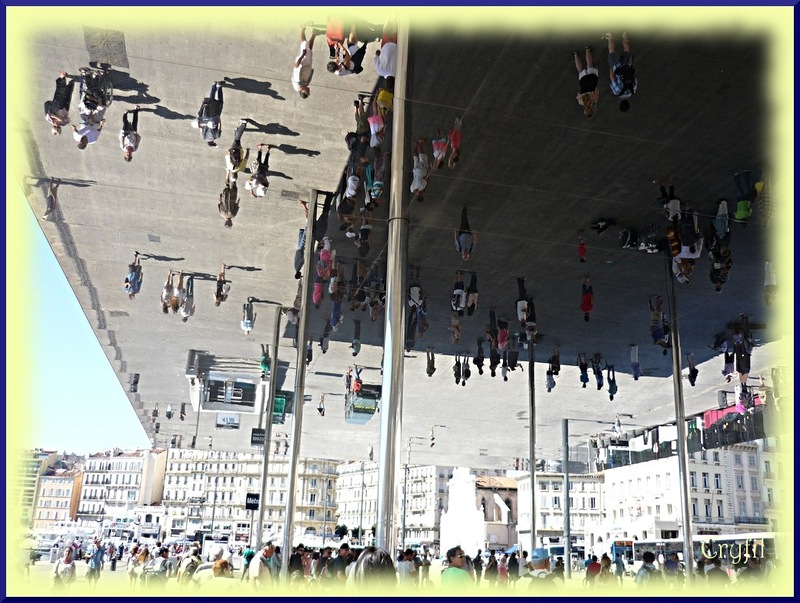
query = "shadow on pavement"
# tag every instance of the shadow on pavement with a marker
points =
(251, 86)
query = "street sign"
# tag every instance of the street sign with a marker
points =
(251, 501)
(258, 436)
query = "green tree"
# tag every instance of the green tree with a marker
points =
(341, 531)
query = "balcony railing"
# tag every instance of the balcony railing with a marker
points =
(755, 520)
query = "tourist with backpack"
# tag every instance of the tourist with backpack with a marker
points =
(189, 565)
(648, 576)
(621, 72)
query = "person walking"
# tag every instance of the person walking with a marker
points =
(222, 289)
(129, 138)
(431, 367)
(321, 405)
(466, 373)
(472, 294)
(88, 133)
(439, 144)
(52, 198)
(356, 345)
(636, 368)
(459, 299)
(667, 200)
(248, 316)
(587, 301)
(611, 377)
(464, 238)
(658, 328)
(583, 366)
(457, 369)
(187, 306)
(209, 117)
(166, 293)
(621, 72)
(588, 78)
(228, 203)
(258, 183)
(581, 247)
(454, 138)
(420, 171)
(693, 372)
(303, 68)
(56, 111)
(64, 570)
(597, 370)
(479, 357)
(385, 59)
(133, 282)
(745, 195)
(349, 56)
(235, 162)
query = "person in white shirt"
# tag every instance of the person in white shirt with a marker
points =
(129, 138)
(178, 294)
(187, 307)
(259, 571)
(406, 570)
(350, 56)
(258, 183)
(386, 58)
(87, 134)
(303, 69)
(420, 170)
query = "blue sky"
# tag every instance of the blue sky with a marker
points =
(80, 406)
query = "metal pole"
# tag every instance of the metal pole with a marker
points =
(361, 510)
(265, 422)
(299, 391)
(565, 468)
(680, 421)
(405, 498)
(532, 439)
(214, 506)
(394, 328)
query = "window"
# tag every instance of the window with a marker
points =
(649, 510)
(703, 455)
(313, 482)
(669, 509)
(592, 502)
(556, 486)
(751, 460)
(719, 511)
(718, 481)
(648, 483)
(707, 507)
(658, 483)
(767, 467)
(769, 495)
(753, 483)
(739, 481)
(737, 459)
(311, 514)
(313, 499)
(705, 481)
(694, 507)
(658, 509)
(543, 502)
(756, 508)
(666, 484)
(542, 486)
(742, 507)
(716, 457)
(692, 479)
(571, 503)
(557, 502)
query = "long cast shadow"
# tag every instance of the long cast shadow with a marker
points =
(275, 128)
(279, 175)
(251, 86)
(165, 113)
(123, 82)
(245, 268)
(160, 258)
(290, 149)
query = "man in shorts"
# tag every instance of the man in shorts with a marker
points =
(588, 79)
(133, 282)
(621, 72)
(223, 287)
(303, 69)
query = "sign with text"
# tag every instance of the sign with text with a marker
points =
(227, 420)
(258, 436)
(251, 501)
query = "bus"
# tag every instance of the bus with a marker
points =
(733, 549)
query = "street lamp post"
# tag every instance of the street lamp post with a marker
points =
(565, 469)
(432, 439)
(361, 510)
(216, 487)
